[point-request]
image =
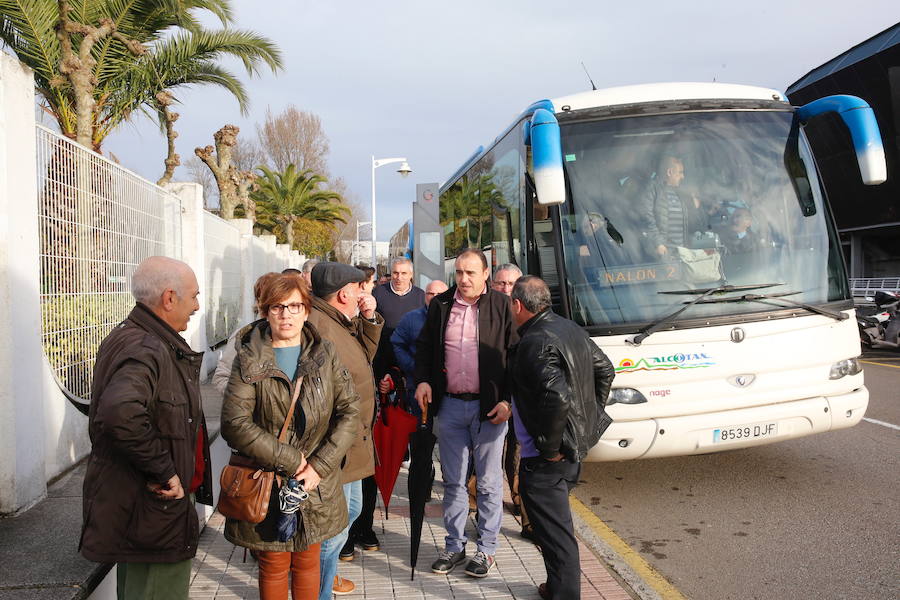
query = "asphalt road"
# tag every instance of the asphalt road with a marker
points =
(817, 517)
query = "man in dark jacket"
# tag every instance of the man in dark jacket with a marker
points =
(561, 380)
(150, 450)
(461, 373)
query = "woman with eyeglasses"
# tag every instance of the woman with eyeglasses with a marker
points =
(276, 354)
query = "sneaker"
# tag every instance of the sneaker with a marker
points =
(368, 541)
(348, 552)
(342, 586)
(480, 564)
(447, 561)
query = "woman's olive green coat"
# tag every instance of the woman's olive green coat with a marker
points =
(256, 403)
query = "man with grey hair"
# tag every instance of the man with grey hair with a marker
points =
(306, 269)
(561, 380)
(505, 278)
(149, 446)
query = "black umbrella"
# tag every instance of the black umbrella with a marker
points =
(419, 481)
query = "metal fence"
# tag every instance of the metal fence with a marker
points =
(868, 286)
(222, 253)
(97, 222)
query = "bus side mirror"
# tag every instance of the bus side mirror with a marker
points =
(860, 121)
(546, 153)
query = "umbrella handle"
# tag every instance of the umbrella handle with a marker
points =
(425, 414)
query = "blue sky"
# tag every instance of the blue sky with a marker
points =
(432, 81)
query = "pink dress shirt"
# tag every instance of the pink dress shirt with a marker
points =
(461, 347)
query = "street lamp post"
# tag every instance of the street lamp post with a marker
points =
(354, 256)
(404, 171)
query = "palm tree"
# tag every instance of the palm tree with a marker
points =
(290, 196)
(97, 62)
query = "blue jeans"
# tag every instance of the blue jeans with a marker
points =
(331, 548)
(461, 435)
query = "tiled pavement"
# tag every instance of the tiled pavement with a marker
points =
(220, 573)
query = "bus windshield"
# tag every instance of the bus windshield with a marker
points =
(689, 201)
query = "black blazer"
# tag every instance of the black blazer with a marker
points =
(496, 332)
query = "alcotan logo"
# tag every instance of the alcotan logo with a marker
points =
(681, 360)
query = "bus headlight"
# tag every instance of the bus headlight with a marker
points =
(625, 396)
(842, 368)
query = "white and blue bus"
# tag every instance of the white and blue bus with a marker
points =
(686, 228)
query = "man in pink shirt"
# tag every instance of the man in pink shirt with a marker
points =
(461, 379)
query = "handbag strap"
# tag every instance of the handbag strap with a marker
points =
(287, 422)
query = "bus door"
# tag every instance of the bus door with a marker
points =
(544, 245)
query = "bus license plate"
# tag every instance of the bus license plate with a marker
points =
(744, 432)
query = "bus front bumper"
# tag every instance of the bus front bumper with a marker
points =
(728, 430)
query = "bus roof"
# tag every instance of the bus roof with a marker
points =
(653, 92)
(631, 94)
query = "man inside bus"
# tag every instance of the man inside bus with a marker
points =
(670, 217)
(737, 237)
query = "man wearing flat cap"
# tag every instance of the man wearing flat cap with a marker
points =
(342, 314)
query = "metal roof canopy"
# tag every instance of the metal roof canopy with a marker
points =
(872, 46)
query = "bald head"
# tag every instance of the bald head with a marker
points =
(157, 274)
(433, 289)
(168, 287)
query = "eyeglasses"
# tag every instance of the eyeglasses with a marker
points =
(293, 308)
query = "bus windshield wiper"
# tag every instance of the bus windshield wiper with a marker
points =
(704, 293)
(762, 299)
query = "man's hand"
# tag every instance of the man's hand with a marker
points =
(386, 384)
(170, 490)
(367, 305)
(301, 467)
(423, 395)
(662, 250)
(309, 477)
(500, 413)
(556, 458)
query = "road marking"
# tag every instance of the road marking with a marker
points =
(634, 560)
(869, 362)
(882, 423)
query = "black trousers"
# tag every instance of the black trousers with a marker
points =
(544, 487)
(363, 523)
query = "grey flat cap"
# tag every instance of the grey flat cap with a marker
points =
(329, 277)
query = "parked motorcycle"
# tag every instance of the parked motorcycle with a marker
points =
(879, 325)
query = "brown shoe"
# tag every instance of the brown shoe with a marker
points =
(342, 586)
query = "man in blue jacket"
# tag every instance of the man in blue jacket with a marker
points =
(404, 341)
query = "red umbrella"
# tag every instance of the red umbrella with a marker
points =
(391, 434)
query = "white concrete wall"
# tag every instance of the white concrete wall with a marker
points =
(22, 476)
(41, 433)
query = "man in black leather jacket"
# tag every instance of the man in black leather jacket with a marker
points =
(561, 381)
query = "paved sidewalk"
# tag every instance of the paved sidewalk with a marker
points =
(220, 573)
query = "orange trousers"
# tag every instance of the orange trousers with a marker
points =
(302, 568)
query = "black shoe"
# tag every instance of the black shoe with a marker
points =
(348, 552)
(368, 541)
(447, 561)
(528, 534)
(480, 564)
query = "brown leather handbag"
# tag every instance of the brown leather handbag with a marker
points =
(247, 487)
